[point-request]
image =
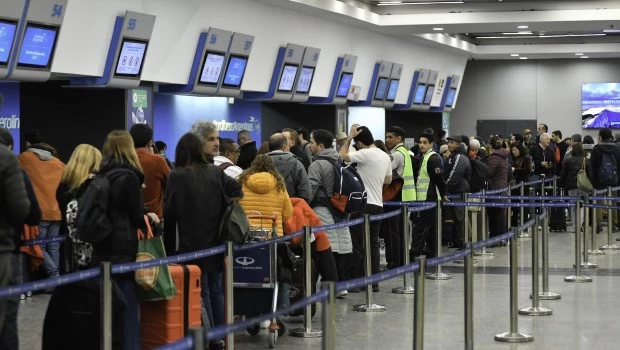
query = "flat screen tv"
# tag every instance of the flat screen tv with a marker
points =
(7, 34)
(131, 58)
(37, 46)
(429, 94)
(391, 95)
(382, 86)
(600, 105)
(235, 71)
(420, 90)
(287, 79)
(212, 68)
(451, 97)
(344, 85)
(305, 80)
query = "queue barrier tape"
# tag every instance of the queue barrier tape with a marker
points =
(175, 259)
(376, 278)
(601, 191)
(276, 240)
(440, 260)
(538, 198)
(492, 241)
(617, 188)
(408, 204)
(508, 205)
(601, 206)
(422, 208)
(526, 225)
(387, 215)
(43, 241)
(515, 186)
(50, 282)
(186, 343)
(490, 192)
(605, 198)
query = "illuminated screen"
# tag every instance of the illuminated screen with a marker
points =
(600, 105)
(305, 80)
(37, 46)
(235, 71)
(288, 78)
(344, 85)
(381, 89)
(451, 97)
(429, 94)
(420, 90)
(7, 34)
(391, 95)
(131, 58)
(212, 68)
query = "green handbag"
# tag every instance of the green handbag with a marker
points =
(583, 183)
(154, 283)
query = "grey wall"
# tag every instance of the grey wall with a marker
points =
(547, 90)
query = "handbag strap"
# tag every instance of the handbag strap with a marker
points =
(583, 164)
(149, 231)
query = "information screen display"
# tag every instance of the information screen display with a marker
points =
(235, 71)
(429, 94)
(7, 34)
(212, 68)
(131, 58)
(288, 78)
(391, 95)
(382, 86)
(305, 80)
(450, 98)
(420, 90)
(37, 46)
(344, 85)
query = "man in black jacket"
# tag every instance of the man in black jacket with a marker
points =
(247, 150)
(605, 145)
(543, 157)
(457, 174)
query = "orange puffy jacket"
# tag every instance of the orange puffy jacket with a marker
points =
(304, 215)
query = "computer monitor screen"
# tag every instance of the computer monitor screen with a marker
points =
(287, 79)
(305, 80)
(344, 84)
(212, 68)
(429, 94)
(600, 105)
(37, 46)
(451, 97)
(131, 58)
(235, 71)
(391, 95)
(381, 89)
(420, 90)
(7, 34)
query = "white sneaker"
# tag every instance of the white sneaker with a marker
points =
(342, 294)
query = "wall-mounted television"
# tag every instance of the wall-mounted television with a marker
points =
(344, 85)
(212, 68)
(38, 46)
(235, 71)
(391, 95)
(420, 90)
(382, 86)
(287, 79)
(429, 94)
(305, 80)
(131, 58)
(451, 97)
(600, 105)
(7, 34)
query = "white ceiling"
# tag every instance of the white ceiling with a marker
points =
(565, 21)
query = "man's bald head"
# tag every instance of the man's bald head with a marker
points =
(278, 142)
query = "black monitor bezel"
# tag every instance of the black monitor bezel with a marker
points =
(202, 67)
(449, 91)
(340, 83)
(426, 95)
(387, 94)
(230, 57)
(416, 91)
(42, 26)
(118, 57)
(15, 23)
(297, 91)
(294, 78)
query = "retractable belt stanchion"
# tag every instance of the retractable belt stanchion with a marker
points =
(418, 305)
(306, 331)
(370, 306)
(609, 245)
(329, 317)
(594, 251)
(106, 305)
(522, 234)
(469, 299)
(466, 230)
(532, 208)
(407, 288)
(535, 309)
(586, 264)
(198, 337)
(230, 303)
(438, 275)
(546, 294)
(514, 336)
(484, 227)
(578, 278)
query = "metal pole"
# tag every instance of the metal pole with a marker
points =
(418, 305)
(329, 317)
(610, 245)
(535, 309)
(578, 278)
(513, 336)
(555, 186)
(230, 299)
(466, 230)
(469, 299)
(522, 234)
(594, 251)
(106, 305)
(198, 337)
(438, 275)
(306, 331)
(484, 227)
(546, 294)
(586, 264)
(407, 288)
(370, 306)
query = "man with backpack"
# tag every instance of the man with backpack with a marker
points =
(604, 161)
(375, 169)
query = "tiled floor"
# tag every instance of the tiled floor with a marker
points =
(585, 318)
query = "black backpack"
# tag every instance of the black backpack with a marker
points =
(349, 192)
(92, 222)
(480, 175)
(608, 172)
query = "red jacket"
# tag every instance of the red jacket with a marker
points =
(304, 215)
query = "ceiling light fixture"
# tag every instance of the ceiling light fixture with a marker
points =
(523, 58)
(611, 30)
(579, 54)
(514, 55)
(394, 3)
(584, 57)
(527, 32)
(522, 27)
(438, 28)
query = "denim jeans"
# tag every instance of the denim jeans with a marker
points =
(212, 295)
(51, 254)
(132, 313)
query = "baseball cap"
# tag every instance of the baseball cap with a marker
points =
(341, 135)
(443, 149)
(456, 138)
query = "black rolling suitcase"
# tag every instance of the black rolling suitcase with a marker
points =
(296, 292)
(557, 217)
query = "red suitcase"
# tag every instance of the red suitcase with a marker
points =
(166, 321)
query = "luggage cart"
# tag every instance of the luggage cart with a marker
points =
(255, 280)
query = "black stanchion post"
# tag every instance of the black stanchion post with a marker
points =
(586, 264)
(513, 336)
(546, 294)
(106, 305)
(198, 338)
(418, 305)
(438, 275)
(609, 245)
(407, 288)
(522, 234)
(594, 251)
(484, 226)
(370, 306)
(230, 302)
(329, 317)
(306, 331)
(535, 309)
(466, 229)
(469, 299)
(578, 278)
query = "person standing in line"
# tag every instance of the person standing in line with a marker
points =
(161, 148)
(294, 147)
(375, 168)
(457, 175)
(228, 158)
(304, 143)
(498, 168)
(289, 166)
(543, 158)
(247, 150)
(209, 136)
(521, 170)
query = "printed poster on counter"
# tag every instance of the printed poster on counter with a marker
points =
(139, 103)
(9, 111)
